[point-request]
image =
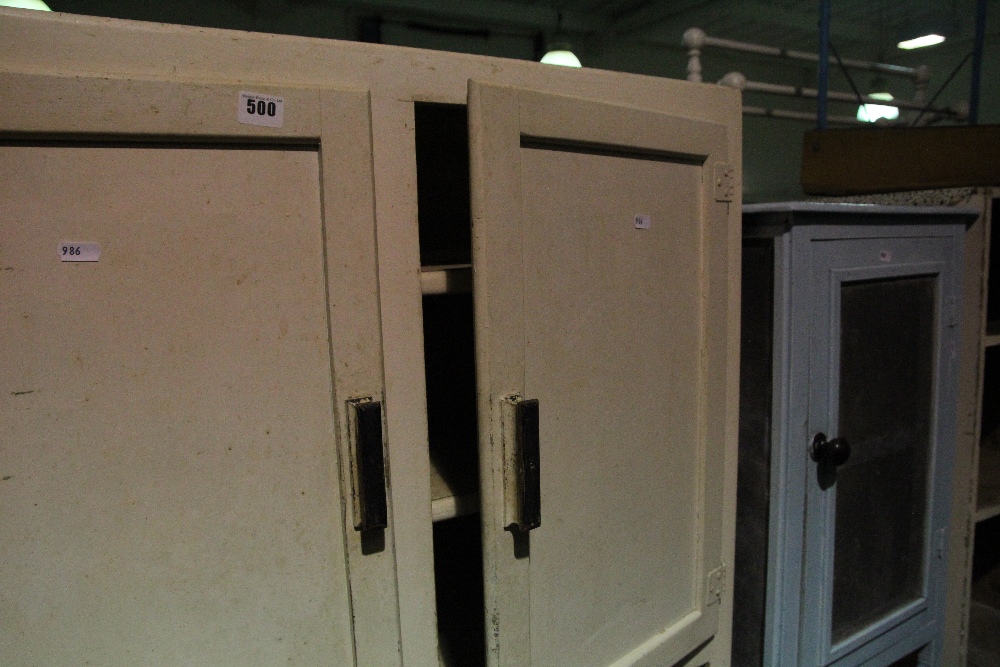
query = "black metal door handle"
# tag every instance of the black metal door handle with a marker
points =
(370, 461)
(528, 465)
(834, 452)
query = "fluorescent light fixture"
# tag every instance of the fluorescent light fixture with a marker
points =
(870, 113)
(920, 42)
(561, 56)
(26, 4)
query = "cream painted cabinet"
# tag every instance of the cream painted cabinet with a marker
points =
(326, 353)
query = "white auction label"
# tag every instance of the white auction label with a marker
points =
(260, 109)
(642, 222)
(76, 251)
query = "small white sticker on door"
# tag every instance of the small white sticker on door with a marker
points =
(642, 222)
(260, 109)
(77, 251)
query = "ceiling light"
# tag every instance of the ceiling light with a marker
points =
(870, 113)
(920, 42)
(26, 4)
(559, 54)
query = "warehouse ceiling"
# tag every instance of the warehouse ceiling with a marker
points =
(865, 25)
(871, 26)
(865, 29)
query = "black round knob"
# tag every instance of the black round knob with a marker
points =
(830, 452)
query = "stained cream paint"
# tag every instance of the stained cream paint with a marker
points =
(88, 75)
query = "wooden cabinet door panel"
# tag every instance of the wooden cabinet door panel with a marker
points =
(173, 427)
(596, 231)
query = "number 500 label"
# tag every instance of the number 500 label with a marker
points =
(259, 109)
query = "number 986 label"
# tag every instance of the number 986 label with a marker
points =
(259, 109)
(76, 251)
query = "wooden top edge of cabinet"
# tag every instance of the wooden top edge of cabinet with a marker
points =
(57, 43)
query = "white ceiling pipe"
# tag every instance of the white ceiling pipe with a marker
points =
(799, 115)
(697, 39)
(740, 82)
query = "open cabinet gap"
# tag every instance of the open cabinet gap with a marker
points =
(993, 289)
(442, 154)
(459, 597)
(984, 609)
(449, 363)
(984, 606)
(442, 151)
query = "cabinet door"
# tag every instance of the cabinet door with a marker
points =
(601, 263)
(883, 333)
(174, 419)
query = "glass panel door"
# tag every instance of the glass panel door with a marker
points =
(880, 426)
(886, 392)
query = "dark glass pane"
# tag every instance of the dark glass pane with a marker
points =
(886, 396)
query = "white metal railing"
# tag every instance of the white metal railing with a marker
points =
(695, 40)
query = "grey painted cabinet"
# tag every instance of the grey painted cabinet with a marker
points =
(847, 432)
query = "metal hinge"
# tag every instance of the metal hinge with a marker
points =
(725, 181)
(715, 585)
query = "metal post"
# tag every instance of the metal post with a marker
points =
(977, 62)
(824, 62)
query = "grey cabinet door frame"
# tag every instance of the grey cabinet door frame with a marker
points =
(821, 261)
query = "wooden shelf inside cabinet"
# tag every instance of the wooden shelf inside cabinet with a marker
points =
(988, 495)
(454, 488)
(450, 365)
(992, 334)
(448, 279)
